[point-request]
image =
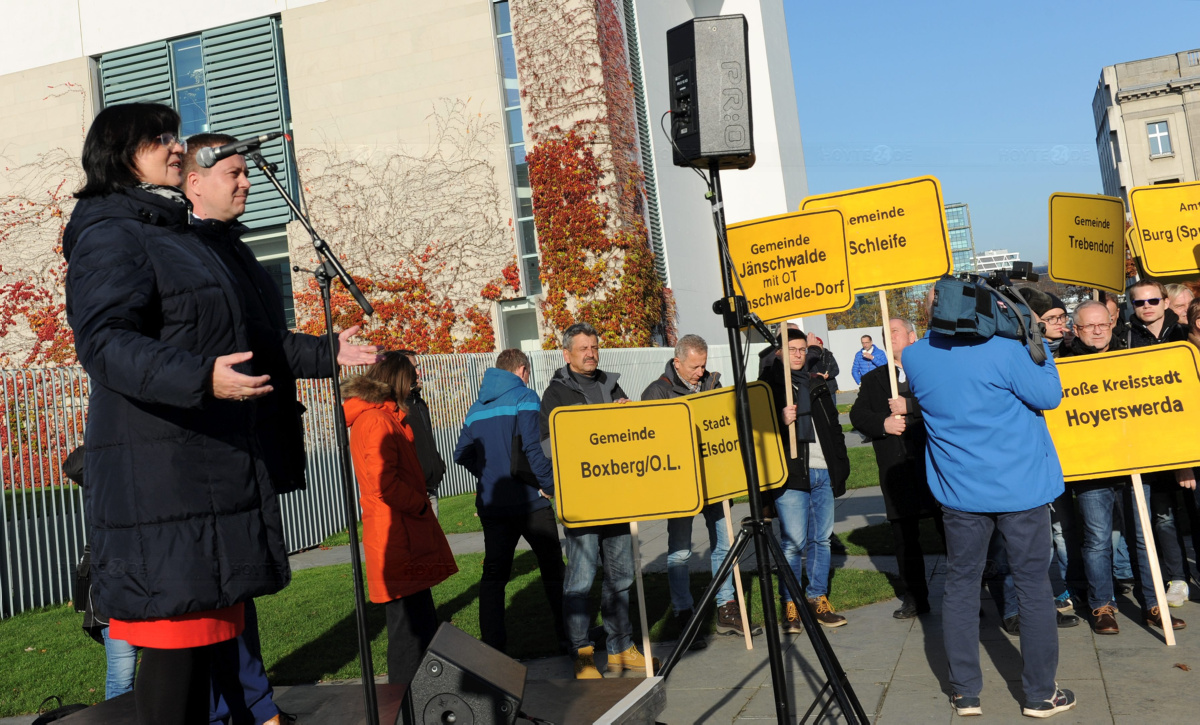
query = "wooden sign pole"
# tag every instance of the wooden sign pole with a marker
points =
(887, 343)
(737, 580)
(1139, 495)
(641, 593)
(787, 385)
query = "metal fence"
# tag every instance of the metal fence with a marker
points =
(42, 518)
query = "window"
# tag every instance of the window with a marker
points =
(1160, 139)
(227, 80)
(527, 248)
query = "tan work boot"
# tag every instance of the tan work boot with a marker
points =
(824, 613)
(585, 666)
(791, 619)
(630, 659)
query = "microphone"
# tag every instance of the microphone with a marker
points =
(210, 155)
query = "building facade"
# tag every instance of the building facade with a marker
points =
(417, 137)
(994, 260)
(962, 240)
(1143, 111)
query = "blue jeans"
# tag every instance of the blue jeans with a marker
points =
(121, 659)
(718, 540)
(1096, 505)
(679, 552)
(1026, 536)
(587, 547)
(806, 522)
(253, 699)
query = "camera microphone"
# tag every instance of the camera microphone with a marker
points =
(208, 156)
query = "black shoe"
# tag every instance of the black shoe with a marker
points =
(1061, 701)
(1012, 625)
(682, 619)
(909, 608)
(965, 706)
(1067, 620)
(1122, 586)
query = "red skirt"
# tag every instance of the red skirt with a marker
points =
(187, 630)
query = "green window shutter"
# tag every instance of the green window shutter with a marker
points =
(243, 78)
(136, 74)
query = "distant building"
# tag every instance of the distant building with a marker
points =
(962, 241)
(995, 259)
(1141, 110)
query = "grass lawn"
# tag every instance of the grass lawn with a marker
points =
(308, 629)
(844, 407)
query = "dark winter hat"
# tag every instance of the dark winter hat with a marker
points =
(1041, 302)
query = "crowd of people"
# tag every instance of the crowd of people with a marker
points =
(194, 433)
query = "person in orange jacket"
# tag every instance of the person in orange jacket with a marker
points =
(406, 550)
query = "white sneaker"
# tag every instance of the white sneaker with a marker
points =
(1177, 593)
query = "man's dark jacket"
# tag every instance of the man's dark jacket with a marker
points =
(564, 389)
(815, 412)
(1138, 335)
(278, 352)
(432, 465)
(820, 360)
(182, 511)
(668, 385)
(901, 459)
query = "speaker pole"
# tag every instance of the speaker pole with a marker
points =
(734, 309)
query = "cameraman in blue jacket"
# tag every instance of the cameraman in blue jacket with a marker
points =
(992, 466)
(500, 445)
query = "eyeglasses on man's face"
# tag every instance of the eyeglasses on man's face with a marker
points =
(1055, 319)
(1152, 301)
(1096, 328)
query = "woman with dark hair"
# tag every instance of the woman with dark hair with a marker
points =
(184, 522)
(407, 553)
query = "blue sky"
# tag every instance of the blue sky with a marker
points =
(994, 99)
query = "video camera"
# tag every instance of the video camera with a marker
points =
(980, 307)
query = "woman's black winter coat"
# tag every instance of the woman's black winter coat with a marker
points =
(182, 513)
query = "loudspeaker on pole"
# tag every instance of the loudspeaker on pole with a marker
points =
(710, 92)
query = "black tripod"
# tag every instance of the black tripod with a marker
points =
(324, 273)
(737, 316)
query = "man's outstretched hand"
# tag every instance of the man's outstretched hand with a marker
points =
(351, 355)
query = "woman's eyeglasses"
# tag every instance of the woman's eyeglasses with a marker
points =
(169, 139)
(1055, 319)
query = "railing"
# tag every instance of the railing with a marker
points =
(42, 523)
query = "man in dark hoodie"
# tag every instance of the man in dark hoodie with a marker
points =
(688, 373)
(815, 477)
(581, 382)
(499, 445)
(1155, 323)
(432, 465)
(218, 196)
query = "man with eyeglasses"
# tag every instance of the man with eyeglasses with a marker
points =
(1098, 498)
(1154, 323)
(805, 503)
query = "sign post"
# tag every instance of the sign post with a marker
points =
(1128, 395)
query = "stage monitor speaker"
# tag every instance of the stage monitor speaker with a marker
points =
(710, 92)
(462, 680)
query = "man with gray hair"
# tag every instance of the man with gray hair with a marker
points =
(685, 374)
(581, 382)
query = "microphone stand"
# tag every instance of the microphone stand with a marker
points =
(329, 268)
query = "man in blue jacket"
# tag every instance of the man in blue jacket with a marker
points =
(992, 466)
(500, 446)
(866, 360)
